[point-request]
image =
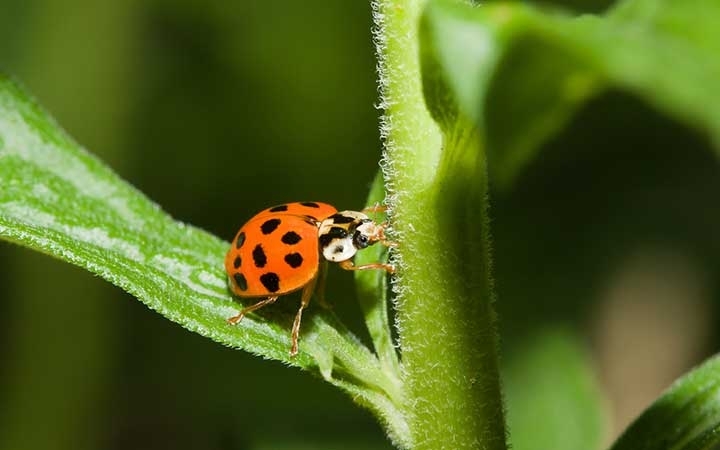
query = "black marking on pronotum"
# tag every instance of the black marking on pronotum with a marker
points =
(340, 219)
(294, 260)
(238, 262)
(278, 208)
(310, 204)
(271, 281)
(259, 257)
(291, 238)
(333, 233)
(240, 281)
(339, 249)
(269, 226)
(240, 240)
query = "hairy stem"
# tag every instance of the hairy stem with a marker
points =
(437, 188)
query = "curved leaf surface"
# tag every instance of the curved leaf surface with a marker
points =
(58, 199)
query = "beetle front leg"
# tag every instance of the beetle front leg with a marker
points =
(349, 265)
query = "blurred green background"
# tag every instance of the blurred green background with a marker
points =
(217, 109)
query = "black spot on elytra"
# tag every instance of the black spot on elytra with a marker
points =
(310, 204)
(240, 240)
(259, 257)
(271, 281)
(333, 233)
(291, 238)
(240, 281)
(294, 260)
(340, 219)
(279, 208)
(269, 226)
(238, 262)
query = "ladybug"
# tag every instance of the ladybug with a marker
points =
(283, 249)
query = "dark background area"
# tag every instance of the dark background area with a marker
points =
(218, 109)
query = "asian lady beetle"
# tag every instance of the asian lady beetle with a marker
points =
(284, 248)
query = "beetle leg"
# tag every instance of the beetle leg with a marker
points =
(234, 320)
(382, 226)
(307, 293)
(381, 236)
(348, 265)
(375, 209)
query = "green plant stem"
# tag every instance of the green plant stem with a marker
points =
(437, 187)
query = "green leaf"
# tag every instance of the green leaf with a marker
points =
(373, 289)
(60, 200)
(521, 73)
(552, 394)
(685, 417)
